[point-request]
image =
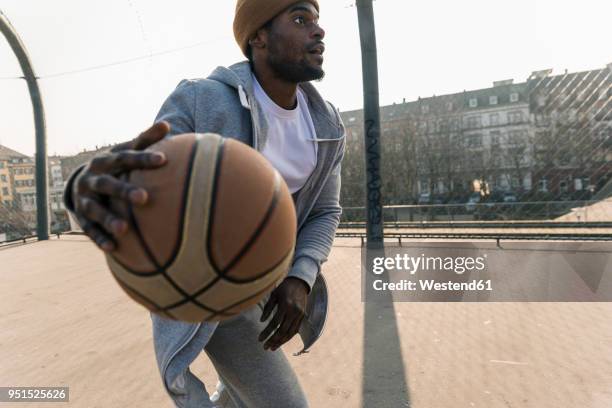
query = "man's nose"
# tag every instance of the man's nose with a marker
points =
(318, 32)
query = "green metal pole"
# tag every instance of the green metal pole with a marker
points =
(42, 209)
(371, 115)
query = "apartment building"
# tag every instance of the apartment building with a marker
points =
(547, 134)
(8, 158)
(572, 122)
(6, 190)
(24, 183)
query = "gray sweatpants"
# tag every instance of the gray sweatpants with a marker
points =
(253, 377)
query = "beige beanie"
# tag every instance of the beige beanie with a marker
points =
(251, 15)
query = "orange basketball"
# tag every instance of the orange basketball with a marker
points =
(217, 233)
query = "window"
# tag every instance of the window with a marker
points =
(5, 191)
(423, 186)
(449, 106)
(542, 120)
(564, 159)
(514, 182)
(563, 187)
(493, 100)
(473, 122)
(514, 97)
(516, 137)
(586, 183)
(474, 140)
(543, 185)
(473, 102)
(494, 119)
(1, 165)
(495, 135)
(3, 178)
(425, 109)
(578, 184)
(443, 125)
(515, 117)
(431, 125)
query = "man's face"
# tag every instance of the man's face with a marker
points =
(295, 44)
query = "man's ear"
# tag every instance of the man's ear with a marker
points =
(259, 39)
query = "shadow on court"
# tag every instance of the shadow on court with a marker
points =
(384, 380)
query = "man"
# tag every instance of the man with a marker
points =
(269, 104)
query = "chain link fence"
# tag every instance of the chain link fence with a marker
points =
(538, 151)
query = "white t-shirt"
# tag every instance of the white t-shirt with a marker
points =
(290, 146)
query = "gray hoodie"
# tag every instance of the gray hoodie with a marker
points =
(224, 103)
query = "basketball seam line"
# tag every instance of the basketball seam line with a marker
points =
(203, 290)
(223, 311)
(256, 233)
(157, 307)
(250, 242)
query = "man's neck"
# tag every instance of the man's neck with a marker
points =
(283, 93)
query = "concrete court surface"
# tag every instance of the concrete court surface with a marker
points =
(65, 322)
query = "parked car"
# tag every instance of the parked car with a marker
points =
(510, 198)
(424, 198)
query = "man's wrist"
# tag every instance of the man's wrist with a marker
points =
(306, 269)
(299, 281)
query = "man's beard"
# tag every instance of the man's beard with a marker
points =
(294, 72)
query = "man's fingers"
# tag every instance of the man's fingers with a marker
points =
(289, 333)
(295, 327)
(152, 135)
(99, 237)
(113, 187)
(126, 160)
(281, 335)
(129, 145)
(274, 323)
(268, 307)
(92, 211)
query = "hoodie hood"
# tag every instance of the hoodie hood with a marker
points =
(239, 77)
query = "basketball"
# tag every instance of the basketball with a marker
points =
(216, 234)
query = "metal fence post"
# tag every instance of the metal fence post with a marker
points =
(42, 208)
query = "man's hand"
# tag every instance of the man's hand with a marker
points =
(290, 300)
(98, 181)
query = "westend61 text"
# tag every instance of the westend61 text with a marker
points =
(432, 285)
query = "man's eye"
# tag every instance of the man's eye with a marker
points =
(299, 20)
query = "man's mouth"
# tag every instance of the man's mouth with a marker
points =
(318, 49)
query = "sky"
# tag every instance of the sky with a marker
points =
(425, 48)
